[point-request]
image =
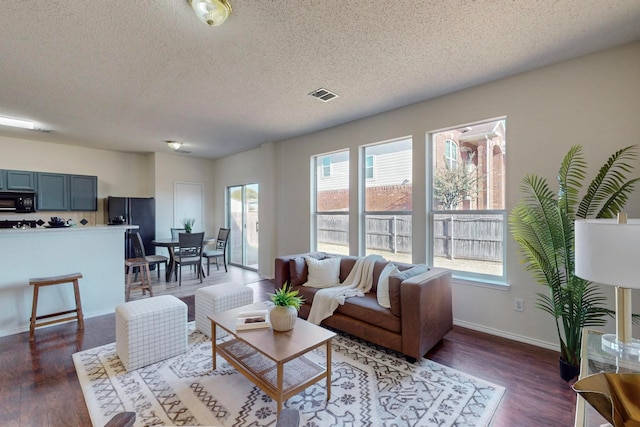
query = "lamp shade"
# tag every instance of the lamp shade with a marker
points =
(607, 252)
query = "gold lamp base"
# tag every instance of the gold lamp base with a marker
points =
(614, 396)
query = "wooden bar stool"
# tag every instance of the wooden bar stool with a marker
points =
(145, 276)
(55, 280)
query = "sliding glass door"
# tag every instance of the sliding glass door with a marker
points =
(242, 212)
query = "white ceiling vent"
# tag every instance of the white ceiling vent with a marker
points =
(323, 95)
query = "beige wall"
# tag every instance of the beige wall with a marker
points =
(259, 166)
(593, 101)
(171, 168)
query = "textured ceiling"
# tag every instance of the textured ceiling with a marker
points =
(127, 75)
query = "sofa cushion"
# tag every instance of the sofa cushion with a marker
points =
(382, 291)
(396, 280)
(298, 271)
(366, 308)
(322, 273)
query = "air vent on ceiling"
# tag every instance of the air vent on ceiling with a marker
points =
(323, 95)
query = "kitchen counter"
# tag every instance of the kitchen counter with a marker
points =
(79, 228)
(95, 251)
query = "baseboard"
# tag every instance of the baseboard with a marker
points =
(25, 328)
(507, 335)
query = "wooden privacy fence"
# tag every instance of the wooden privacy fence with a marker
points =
(477, 237)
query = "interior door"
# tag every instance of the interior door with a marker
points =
(242, 212)
(188, 202)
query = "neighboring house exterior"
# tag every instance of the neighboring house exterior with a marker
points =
(481, 148)
(387, 173)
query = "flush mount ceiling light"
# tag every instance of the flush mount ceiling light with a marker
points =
(174, 145)
(17, 123)
(211, 12)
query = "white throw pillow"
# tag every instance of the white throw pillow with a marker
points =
(383, 284)
(323, 273)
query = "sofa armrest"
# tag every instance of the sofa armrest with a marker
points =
(426, 311)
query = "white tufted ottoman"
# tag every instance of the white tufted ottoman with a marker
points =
(218, 298)
(150, 330)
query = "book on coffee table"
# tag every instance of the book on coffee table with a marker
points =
(253, 320)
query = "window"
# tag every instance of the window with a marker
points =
(326, 166)
(368, 167)
(468, 199)
(451, 154)
(388, 200)
(332, 202)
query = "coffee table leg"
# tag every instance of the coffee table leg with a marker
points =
(280, 367)
(328, 370)
(213, 343)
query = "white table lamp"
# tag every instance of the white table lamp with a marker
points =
(608, 252)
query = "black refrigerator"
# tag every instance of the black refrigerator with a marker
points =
(140, 211)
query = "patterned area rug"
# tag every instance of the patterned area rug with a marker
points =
(370, 386)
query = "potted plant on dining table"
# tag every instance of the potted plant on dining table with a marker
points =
(188, 224)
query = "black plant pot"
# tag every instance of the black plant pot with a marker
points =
(568, 371)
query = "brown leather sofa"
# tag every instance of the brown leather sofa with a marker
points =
(419, 317)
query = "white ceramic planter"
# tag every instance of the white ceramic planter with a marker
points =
(283, 318)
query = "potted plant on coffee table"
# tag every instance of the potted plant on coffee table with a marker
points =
(543, 225)
(286, 302)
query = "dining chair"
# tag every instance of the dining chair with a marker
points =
(220, 250)
(138, 250)
(175, 232)
(189, 253)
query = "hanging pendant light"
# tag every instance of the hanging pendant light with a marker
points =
(211, 12)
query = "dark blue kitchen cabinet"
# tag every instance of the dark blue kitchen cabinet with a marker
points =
(20, 180)
(53, 191)
(83, 193)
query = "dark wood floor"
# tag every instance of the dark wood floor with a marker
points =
(39, 386)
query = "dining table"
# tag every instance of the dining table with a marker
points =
(171, 245)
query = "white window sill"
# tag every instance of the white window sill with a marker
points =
(484, 283)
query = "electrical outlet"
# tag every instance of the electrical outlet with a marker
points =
(518, 304)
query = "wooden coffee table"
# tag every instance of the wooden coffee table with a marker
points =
(274, 361)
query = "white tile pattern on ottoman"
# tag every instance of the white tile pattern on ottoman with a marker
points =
(150, 330)
(218, 298)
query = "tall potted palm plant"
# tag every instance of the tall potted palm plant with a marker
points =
(542, 224)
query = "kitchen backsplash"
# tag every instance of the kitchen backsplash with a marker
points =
(42, 218)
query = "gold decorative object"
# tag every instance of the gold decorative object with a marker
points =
(614, 396)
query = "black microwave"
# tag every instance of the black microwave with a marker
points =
(17, 201)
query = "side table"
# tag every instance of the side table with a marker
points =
(593, 361)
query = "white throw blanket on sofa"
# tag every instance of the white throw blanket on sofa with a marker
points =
(358, 282)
